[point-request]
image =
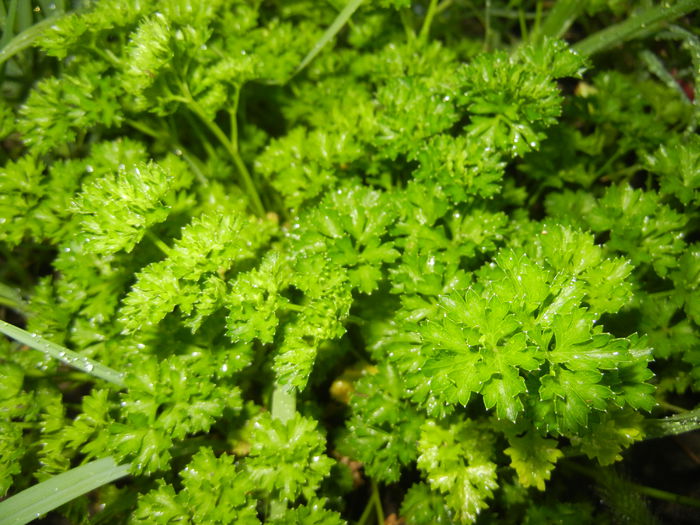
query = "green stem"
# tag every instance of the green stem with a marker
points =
(637, 25)
(230, 148)
(406, 22)
(367, 512)
(177, 148)
(9, 29)
(487, 25)
(667, 496)
(377, 503)
(642, 489)
(143, 128)
(672, 408)
(233, 116)
(24, 39)
(164, 248)
(443, 6)
(425, 29)
(283, 406)
(64, 355)
(560, 18)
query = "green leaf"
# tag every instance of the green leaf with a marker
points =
(533, 458)
(456, 462)
(384, 427)
(422, 506)
(607, 438)
(214, 490)
(116, 210)
(286, 460)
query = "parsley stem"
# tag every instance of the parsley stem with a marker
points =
(177, 148)
(283, 406)
(233, 117)
(377, 503)
(405, 15)
(652, 492)
(443, 6)
(164, 248)
(367, 512)
(374, 502)
(635, 26)
(487, 25)
(427, 22)
(230, 148)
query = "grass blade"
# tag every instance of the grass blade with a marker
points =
(39, 499)
(64, 355)
(332, 30)
(24, 39)
(635, 26)
(674, 425)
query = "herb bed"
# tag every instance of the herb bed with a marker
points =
(351, 262)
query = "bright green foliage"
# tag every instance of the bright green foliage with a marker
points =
(421, 506)
(214, 490)
(512, 98)
(11, 443)
(302, 164)
(313, 514)
(457, 463)
(58, 110)
(348, 226)
(527, 326)
(209, 247)
(640, 226)
(460, 167)
(255, 299)
(381, 427)
(21, 192)
(533, 458)
(167, 401)
(430, 231)
(678, 167)
(617, 431)
(286, 460)
(116, 210)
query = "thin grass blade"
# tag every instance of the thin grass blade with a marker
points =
(332, 30)
(64, 355)
(48, 495)
(24, 39)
